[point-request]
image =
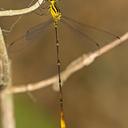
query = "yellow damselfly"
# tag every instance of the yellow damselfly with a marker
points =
(56, 15)
(56, 18)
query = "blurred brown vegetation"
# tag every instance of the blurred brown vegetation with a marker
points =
(94, 97)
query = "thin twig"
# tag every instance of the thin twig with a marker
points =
(4, 13)
(6, 100)
(79, 63)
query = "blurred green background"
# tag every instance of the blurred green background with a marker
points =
(94, 97)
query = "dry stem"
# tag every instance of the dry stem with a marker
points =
(79, 63)
(18, 12)
(6, 100)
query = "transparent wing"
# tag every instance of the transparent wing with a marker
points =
(91, 27)
(31, 33)
(75, 29)
(93, 34)
(30, 36)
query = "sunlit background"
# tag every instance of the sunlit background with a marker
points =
(94, 97)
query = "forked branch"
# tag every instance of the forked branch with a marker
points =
(74, 66)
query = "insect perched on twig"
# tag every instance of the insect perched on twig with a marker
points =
(56, 18)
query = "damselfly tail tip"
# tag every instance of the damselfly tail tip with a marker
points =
(62, 121)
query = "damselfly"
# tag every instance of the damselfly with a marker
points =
(56, 18)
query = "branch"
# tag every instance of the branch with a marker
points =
(6, 100)
(4, 13)
(79, 63)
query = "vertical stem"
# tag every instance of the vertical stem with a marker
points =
(7, 116)
(6, 100)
